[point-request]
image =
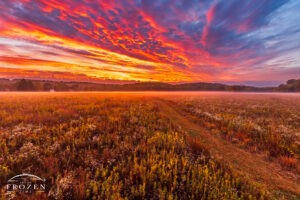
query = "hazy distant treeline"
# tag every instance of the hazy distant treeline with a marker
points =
(292, 85)
(38, 85)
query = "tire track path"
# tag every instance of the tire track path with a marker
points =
(255, 167)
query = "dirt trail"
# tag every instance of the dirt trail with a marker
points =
(255, 167)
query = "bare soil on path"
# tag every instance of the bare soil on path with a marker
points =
(254, 166)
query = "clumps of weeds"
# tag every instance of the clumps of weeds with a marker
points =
(95, 147)
(287, 162)
(259, 124)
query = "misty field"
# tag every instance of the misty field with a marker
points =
(152, 145)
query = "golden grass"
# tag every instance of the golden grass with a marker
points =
(110, 146)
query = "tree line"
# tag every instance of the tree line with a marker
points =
(291, 85)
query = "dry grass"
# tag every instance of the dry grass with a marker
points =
(107, 146)
(287, 162)
(253, 165)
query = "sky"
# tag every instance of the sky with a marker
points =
(254, 42)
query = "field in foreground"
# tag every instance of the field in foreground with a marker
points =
(152, 145)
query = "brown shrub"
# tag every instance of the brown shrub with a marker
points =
(197, 147)
(287, 162)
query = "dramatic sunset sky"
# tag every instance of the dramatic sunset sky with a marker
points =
(255, 42)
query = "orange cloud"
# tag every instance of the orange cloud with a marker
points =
(168, 41)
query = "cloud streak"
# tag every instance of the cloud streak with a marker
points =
(163, 40)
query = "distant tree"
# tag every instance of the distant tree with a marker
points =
(25, 85)
(291, 85)
(74, 87)
(38, 86)
(61, 87)
(47, 86)
(291, 81)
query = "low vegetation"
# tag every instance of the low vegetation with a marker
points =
(108, 147)
(260, 123)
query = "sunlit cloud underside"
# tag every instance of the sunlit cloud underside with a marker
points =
(251, 41)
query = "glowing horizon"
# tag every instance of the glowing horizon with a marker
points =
(141, 40)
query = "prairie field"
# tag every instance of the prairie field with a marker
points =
(152, 145)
